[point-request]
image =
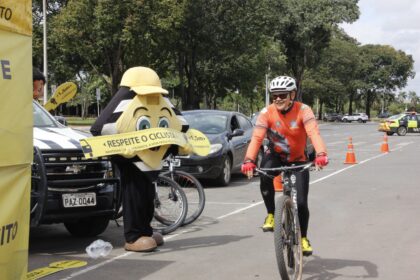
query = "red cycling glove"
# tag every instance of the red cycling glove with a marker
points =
(248, 167)
(321, 161)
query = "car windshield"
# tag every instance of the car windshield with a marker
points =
(207, 123)
(394, 117)
(41, 117)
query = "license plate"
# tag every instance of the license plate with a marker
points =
(79, 199)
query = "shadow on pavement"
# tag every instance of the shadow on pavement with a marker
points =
(326, 269)
(179, 245)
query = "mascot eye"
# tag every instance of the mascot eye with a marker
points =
(163, 122)
(143, 123)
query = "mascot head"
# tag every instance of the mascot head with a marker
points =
(148, 109)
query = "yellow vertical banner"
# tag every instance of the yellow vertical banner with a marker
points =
(15, 135)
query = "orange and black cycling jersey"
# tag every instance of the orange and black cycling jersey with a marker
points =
(287, 133)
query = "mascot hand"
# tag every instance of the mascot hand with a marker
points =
(187, 149)
(128, 153)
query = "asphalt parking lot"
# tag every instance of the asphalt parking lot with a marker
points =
(362, 224)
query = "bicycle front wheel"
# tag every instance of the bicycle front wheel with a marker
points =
(287, 240)
(194, 192)
(170, 205)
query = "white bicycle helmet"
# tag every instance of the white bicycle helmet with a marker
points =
(283, 83)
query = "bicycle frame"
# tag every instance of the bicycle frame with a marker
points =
(287, 237)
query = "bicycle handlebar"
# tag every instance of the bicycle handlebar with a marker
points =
(284, 168)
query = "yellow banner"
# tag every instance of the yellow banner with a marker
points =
(16, 99)
(16, 135)
(14, 221)
(62, 94)
(16, 16)
(129, 143)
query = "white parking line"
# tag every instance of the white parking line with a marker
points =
(93, 267)
(334, 143)
(225, 203)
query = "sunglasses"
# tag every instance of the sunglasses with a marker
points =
(280, 95)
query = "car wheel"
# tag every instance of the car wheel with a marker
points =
(87, 227)
(359, 120)
(402, 131)
(224, 177)
(389, 133)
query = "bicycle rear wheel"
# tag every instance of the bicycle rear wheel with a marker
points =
(287, 240)
(194, 192)
(171, 205)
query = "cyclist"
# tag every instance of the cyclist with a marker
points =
(287, 124)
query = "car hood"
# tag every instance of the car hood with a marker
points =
(47, 138)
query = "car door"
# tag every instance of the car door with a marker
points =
(412, 124)
(239, 143)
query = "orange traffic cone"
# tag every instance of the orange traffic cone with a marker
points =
(384, 146)
(278, 186)
(350, 157)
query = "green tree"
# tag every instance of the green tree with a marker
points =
(383, 69)
(305, 27)
(333, 80)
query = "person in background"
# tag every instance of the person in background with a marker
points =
(39, 82)
(287, 124)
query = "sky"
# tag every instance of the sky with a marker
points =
(390, 22)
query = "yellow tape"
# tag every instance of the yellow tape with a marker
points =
(62, 94)
(128, 144)
(53, 268)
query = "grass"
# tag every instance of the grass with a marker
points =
(80, 121)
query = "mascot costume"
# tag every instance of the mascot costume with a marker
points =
(139, 106)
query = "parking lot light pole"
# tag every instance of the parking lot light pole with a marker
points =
(44, 15)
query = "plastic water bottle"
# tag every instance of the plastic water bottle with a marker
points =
(98, 248)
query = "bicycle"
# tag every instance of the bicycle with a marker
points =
(171, 205)
(190, 185)
(287, 235)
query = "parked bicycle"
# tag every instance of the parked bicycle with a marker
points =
(171, 205)
(287, 235)
(190, 185)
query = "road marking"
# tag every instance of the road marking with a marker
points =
(334, 143)
(226, 203)
(93, 267)
(239, 210)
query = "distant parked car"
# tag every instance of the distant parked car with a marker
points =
(229, 134)
(358, 117)
(384, 115)
(332, 117)
(401, 124)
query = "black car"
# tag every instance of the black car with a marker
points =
(229, 134)
(332, 117)
(66, 187)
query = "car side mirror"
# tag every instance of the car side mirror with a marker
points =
(61, 120)
(236, 132)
